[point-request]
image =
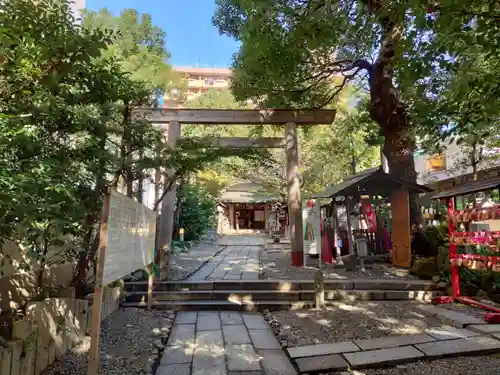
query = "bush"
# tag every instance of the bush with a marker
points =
(436, 235)
(197, 211)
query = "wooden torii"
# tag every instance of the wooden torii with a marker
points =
(174, 118)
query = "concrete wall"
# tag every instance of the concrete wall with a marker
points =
(50, 328)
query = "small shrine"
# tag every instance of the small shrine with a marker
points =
(355, 221)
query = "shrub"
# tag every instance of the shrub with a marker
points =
(197, 211)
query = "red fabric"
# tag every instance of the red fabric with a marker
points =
(326, 246)
(369, 216)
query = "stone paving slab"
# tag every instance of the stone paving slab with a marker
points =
(231, 318)
(450, 333)
(208, 313)
(485, 328)
(276, 362)
(177, 354)
(177, 369)
(393, 341)
(454, 318)
(459, 319)
(209, 339)
(254, 321)
(236, 334)
(182, 334)
(466, 346)
(332, 362)
(209, 361)
(186, 317)
(383, 357)
(208, 322)
(322, 349)
(264, 339)
(242, 358)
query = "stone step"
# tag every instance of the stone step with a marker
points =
(247, 296)
(224, 305)
(284, 285)
(142, 286)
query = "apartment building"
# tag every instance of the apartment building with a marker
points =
(76, 7)
(453, 165)
(199, 81)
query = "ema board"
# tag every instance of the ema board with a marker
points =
(130, 239)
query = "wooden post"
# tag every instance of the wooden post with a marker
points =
(93, 366)
(348, 207)
(319, 282)
(335, 224)
(294, 202)
(401, 247)
(151, 274)
(172, 132)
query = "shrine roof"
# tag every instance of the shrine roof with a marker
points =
(246, 192)
(470, 187)
(372, 182)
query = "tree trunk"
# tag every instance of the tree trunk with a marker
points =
(386, 108)
(392, 117)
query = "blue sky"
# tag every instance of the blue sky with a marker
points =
(191, 38)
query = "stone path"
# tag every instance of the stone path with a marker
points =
(445, 341)
(223, 343)
(238, 261)
(183, 264)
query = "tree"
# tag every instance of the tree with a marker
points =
(137, 45)
(291, 52)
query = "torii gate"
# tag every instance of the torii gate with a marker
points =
(173, 118)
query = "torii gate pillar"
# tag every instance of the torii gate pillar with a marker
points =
(294, 201)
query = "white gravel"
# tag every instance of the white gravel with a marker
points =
(128, 344)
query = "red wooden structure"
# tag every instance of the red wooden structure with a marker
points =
(490, 239)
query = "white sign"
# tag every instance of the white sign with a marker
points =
(311, 218)
(131, 237)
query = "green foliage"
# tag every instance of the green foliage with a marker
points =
(68, 126)
(437, 236)
(137, 45)
(197, 211)
(423, 66)
(327, 155)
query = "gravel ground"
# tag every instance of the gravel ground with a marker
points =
(129, 345)
(466, 309)
(350, 321)
(484, 365)
(276, 265)
(361, 320)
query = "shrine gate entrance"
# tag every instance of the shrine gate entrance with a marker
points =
(174, 118)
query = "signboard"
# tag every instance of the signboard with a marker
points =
(131, 237)
(311, 218)
(126, 244)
